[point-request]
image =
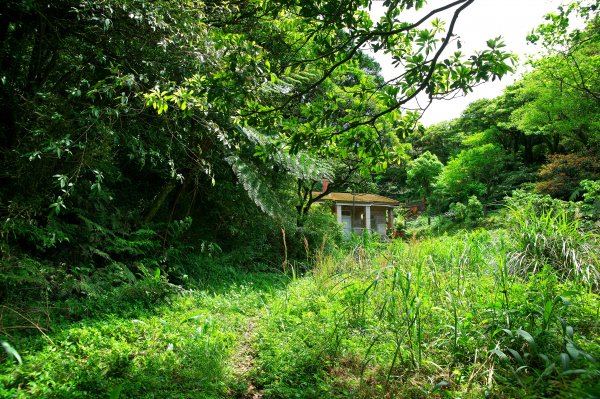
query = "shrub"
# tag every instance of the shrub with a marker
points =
(591, 198)
(551, 237)
(472, 172)
(458, 212)
(474, 210)
(561, 176)
(320, 229)
(541, 203)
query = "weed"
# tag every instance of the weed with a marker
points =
(447, 317)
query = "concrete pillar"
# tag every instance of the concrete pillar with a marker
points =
(338, 209)
(368, 217)
(390, 219)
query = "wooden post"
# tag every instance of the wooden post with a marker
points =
(390, 219)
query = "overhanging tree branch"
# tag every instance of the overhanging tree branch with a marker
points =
(424, 82)
(361, 40)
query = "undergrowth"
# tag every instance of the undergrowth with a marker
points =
(178, 347)
(441, 317)
(505, 313)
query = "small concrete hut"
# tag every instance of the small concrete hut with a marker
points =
(358, 212)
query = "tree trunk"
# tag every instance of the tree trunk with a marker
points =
(528, 155)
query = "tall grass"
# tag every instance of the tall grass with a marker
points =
(501, 314)
(444, 316)
(550, 237)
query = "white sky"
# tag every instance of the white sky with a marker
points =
(483, 20)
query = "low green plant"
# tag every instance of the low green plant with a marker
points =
(437, 317)
(382, 323)
(458, 212)
(591, 198)
(544, 347)
(183, 347)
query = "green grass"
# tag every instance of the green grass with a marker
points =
(550, 237)
(180, 348)
(435, 318)
(479, 314)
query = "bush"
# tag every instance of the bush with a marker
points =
(320, 229)
(541, 203)
(551, 236)
(474, 210)
(458, 212)
(562, 175)
(472, 172)
(591, 198)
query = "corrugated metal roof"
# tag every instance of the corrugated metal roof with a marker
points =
(358, 198)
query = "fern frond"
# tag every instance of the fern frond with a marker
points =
(286, 83)
(304, 166)
(301, 165)
(257, 189)
(254, 136)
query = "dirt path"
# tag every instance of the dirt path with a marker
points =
(243, 362)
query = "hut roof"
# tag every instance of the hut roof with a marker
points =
(358, 198)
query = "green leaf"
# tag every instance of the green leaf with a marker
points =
(517, 356)
(527, 337)
(438, 386)
(500, 354)
(12, 352)
(564, 361)
(569, 331)
(573, 352)
(574, 372)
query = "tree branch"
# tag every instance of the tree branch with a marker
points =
(424, 83)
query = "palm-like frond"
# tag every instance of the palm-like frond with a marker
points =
(257, 188)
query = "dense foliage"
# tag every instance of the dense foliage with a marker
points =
(541, 133)
(136, 129)
(500, 314)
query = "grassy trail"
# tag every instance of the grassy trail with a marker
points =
(243, 361)
(196, 345)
